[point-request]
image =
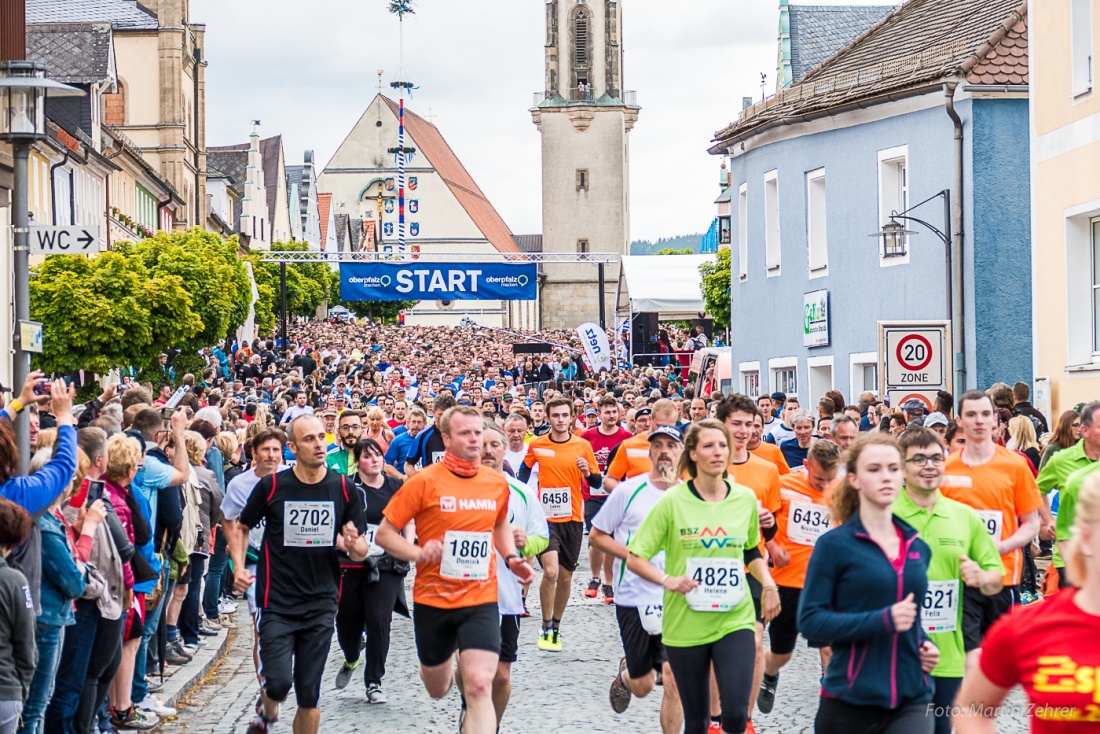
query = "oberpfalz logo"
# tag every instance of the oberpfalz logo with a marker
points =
(447, 504)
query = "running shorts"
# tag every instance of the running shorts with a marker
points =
(439, 632)
(509, 638)
(293, 651)
(981, 611)
(565, 538)
(644, 652)
(592, 505)
(783, 630)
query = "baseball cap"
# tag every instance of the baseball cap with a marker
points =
(936, 419)
(328, 411)
(779, 397)
(643, 411)
(671, 431)
(507, 397)
(913, 405)
(590, 411)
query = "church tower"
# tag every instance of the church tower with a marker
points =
(584, 115)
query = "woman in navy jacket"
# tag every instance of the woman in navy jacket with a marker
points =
(864, 585)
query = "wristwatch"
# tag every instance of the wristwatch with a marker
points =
(508, 559)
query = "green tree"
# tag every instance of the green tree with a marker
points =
(674, 251)
(716, 289)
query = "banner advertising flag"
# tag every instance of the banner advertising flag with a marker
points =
(420, 281)
(596, 347)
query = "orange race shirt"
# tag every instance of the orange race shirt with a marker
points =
(631, 459)
(460, 512)
(763, 479)
(770, 452)
(1002, 490)
(803, 517)
(559, 478)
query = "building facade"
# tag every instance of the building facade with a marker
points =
(1065, 161)
(584, 116)
(822, 165)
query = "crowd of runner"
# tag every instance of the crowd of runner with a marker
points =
(903, 544)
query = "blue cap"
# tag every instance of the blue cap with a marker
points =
(671, 431)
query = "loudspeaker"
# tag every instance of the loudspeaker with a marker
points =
(643, 332)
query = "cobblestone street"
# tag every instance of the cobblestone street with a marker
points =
(561, 693)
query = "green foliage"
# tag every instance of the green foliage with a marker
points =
(401, 8)
(693, 242)
(308, 286)
(674, 251)
(716, 289)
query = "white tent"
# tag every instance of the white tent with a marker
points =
(668, 285)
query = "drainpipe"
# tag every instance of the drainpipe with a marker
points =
(958, 326)
(53, 195)
(200, 214)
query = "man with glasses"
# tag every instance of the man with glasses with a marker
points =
(341, 456)
(963, 556)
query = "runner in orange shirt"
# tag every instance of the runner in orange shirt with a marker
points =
(632, 456)
(564, 461)
(739, 412)
(461, 513)
(803, 517)
(764, 450)
(998, 483)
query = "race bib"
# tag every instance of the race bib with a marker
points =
(309, 524)
(597, 491)
(466, 555)
(637, 453)
(557, 502)
(807, 522)
(940, 611)
(721, 584)
(652, 615)
(993, 521)
(437, 456)
(374, 550)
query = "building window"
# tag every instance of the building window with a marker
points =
(1080, 25)
(815, 223)
(582, 179)
(1096, 286)
(784, 375)
(582, 245)
(750, 384)
(743, 231)
(863, 373)
(772, 252)
(893, 197)
(582, 54)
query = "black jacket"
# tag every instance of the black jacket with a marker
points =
(1026, 408)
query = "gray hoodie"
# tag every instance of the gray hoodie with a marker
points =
(18, 655)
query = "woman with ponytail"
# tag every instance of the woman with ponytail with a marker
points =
(1051, 649)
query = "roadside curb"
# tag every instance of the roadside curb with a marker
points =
(185, 678)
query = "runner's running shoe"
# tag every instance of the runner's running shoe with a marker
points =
(344, 676)
(608, 594)
(374, 694)
(555, 641)
(260, 725)
(544, 640)
(715, 727)
(593, 589)
(619, 694)
(749, 728)
(766, 700)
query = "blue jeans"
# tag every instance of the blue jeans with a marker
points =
(72, 668)
(48, 639)
(214, 573)
(140, 688)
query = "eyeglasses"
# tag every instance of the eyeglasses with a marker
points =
(922, 460)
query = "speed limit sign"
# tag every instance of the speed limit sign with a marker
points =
(914, 355)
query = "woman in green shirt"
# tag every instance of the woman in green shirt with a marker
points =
(709, 530)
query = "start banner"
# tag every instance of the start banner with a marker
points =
(419, 281)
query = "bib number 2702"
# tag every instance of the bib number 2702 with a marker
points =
(309, 524)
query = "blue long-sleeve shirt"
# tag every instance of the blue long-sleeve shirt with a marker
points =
(38, 491)
(850, 587)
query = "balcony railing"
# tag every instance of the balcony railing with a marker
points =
(576, 96)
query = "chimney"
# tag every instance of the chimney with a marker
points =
(13, 30)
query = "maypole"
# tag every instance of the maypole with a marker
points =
(401, 8)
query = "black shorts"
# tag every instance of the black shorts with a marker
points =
(293, 650)
(439, 632)
(644, 652)
(509, 638)
(592, 505)
(756, 591)
(565, 538)
(981, 611)
(783, 630)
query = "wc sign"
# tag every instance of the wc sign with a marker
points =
(419, 281)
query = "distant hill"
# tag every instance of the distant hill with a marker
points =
(646, 247)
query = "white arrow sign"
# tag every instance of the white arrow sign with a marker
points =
(65, 240)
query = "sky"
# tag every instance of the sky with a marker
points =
(307, 70)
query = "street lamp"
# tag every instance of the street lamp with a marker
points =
(23, 89)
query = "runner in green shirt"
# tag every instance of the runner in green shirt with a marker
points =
(962, 550)
(1067, 505)
(1056, 474)
(341, 458)
(709, 529)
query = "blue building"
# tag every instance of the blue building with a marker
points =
(871, 131)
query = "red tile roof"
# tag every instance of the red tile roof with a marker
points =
(324, 207)
(430, 142)
(1007, 62)
(368, 240)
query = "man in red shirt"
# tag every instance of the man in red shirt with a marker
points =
(604, 438)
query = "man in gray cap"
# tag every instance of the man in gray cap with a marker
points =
(914, 411)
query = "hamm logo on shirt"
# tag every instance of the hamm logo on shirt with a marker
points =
(450, 504)
(708, 538)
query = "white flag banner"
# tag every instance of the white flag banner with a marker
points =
(596, 347)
